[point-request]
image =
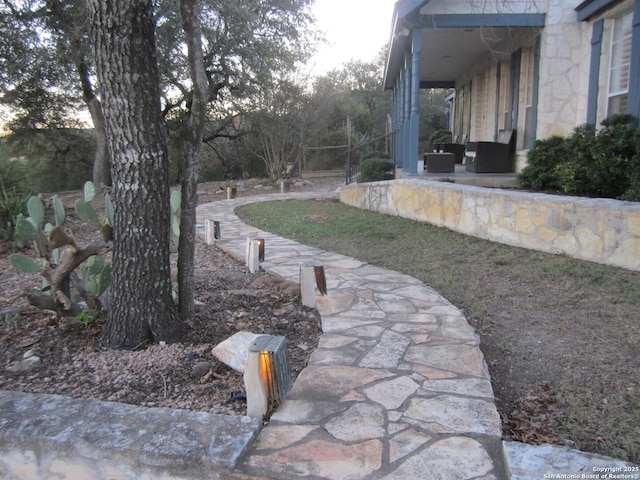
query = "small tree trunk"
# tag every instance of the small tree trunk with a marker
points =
(141, 307)
(101, 161)
(190, 12)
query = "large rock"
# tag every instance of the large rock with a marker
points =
(26, 365)
(234, 350)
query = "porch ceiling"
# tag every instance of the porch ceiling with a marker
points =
(454, 46)
(450, 53)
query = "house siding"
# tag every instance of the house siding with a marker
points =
(563, 82)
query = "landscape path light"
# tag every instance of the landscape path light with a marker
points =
(211, 231)
(312, 277)
(267, 377)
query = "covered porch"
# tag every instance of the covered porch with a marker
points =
(475, 50)
(461, 176)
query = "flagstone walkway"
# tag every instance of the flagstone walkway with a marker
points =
(397, 387)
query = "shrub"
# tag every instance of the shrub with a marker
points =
(600, 160)
(12, 205)
(633, 191)
(576, 174)
(615, 148)
(439, 136)
(14, 194)
(375, 169)
(541, 173)
(589, 162)
(15, 174)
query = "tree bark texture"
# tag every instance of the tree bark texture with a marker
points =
(123, 40)
(190, 13)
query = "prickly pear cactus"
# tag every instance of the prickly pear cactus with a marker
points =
(24, 264)
(87, 214)
(59, 252)
(96, 275)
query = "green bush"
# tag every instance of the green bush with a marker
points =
(596, 163)
(600, 161)
(14, 173)
(616, 147)
(376, 169)
(633, 191)
(439, 136)
(14, 193)
(577, 174)
(541, 172)
(12, 205)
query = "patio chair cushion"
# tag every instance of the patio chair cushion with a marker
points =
(491, 157)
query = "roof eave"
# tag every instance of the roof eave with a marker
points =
(397, 38)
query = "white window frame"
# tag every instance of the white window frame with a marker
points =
(617, 64)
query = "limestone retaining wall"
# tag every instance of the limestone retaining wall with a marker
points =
(598, 230)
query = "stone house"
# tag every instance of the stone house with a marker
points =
(538, 67)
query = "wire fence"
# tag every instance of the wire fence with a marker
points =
(346, 158)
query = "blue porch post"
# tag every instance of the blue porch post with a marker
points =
(406, 114)
(397, 152)
(401, 118)
(414, 129)
(634, 72)
(392, 151)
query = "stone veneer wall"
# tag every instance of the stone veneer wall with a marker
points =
(598, 230)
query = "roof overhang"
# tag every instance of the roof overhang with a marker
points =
(453, 45)
(589, 8)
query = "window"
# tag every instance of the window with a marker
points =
(619, 64)
(503, 99)
(527, 79)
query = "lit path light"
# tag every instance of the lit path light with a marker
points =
(254, 253)
(267, 378)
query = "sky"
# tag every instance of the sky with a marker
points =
(355, 29)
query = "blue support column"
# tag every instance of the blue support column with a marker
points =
(414, 129)
(634, 72)
(594, 72)
(401, 96)
(406, 114)
(394, 124)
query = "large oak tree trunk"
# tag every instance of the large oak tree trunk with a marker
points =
(141, 305)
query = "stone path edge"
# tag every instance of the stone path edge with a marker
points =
(52, 436)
